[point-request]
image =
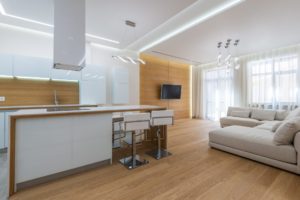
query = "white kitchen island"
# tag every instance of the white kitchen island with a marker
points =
(49, 144)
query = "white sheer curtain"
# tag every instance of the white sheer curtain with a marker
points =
(218, 92)
(273, 79)
(197, 92)
(269, 79)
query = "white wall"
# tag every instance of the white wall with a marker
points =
(13, 41)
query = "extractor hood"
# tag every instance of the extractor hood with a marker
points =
(69, 34)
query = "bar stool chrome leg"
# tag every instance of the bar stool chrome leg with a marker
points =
(134, 160)
(159, 152)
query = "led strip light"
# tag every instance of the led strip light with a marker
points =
(4, 13)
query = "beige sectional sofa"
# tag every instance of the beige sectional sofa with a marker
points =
(251, 117)
(254, 138)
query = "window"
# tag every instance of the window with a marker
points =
(273, 82)
(218, 92)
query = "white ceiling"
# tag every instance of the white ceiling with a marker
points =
(105, 18)
(259, 24)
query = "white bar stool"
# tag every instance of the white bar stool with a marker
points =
(161, 118)
(134, 123)
(117, 135)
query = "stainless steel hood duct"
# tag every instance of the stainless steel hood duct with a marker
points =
(69, 34)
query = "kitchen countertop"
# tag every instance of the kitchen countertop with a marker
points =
(27, 113)
(2, 108)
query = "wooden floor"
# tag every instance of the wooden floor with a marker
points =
(194, 171)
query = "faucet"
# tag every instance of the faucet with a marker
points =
(55, 98)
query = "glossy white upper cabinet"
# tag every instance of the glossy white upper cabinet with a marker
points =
(93, 72)
(93, 91)
(32, 66)
(93, 85)
(6, 64)
(120, 83)
(69, 34)
(65, 74)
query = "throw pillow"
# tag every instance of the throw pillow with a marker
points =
(276, 126)
(268, 115)
(281, 115)
(294, 113)
(242, 114)
(285, 133)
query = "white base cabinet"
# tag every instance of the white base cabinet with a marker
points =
(2, 130)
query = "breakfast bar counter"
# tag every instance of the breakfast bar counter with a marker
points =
(46, 144)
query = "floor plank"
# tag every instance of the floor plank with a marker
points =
(194, 171)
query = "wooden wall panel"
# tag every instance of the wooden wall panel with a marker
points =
(35, 92)
(159, 71)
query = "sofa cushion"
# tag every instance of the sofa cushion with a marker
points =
(293, 114)
(230, 121)
(269, 125)
(285, 133)
(281, 115)
(242, 113)
(255, 141)
(263, 114)
(234, 109)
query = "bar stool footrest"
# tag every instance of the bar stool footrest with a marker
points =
(128, 162)
(158, 154)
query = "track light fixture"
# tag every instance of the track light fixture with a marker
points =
(126, 58)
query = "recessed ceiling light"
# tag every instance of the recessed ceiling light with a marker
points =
(28, 20)
(3, 12)
(104, 46)
(191, 23)
(102, 38)
(19, 28)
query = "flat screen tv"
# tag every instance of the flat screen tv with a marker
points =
(170, 91)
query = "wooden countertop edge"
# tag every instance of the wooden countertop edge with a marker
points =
(3, 108)
(66, 113)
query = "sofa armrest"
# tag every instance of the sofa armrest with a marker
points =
(297, 142)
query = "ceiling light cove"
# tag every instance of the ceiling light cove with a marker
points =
(102, 38)
(4, 13)
(29, 30)
(186, 19)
